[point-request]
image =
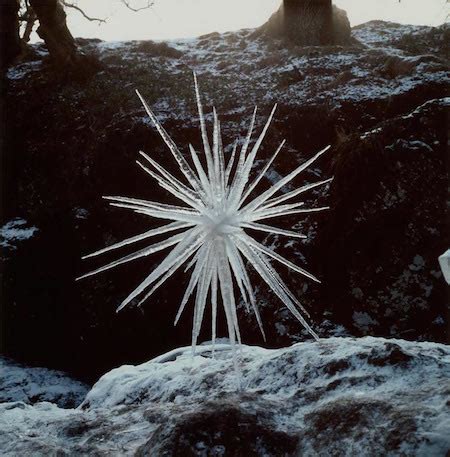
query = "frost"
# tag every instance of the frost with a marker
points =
(15, 230)
(31, 384)
(22, 70)
(81, 213)
(212, 227)
(414, 145)
(386, 396)
(444, 262)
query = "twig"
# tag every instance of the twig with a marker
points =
(149, 4)
(75, 7)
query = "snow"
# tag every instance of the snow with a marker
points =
(338, 396)
(30, 385)
(252, 69)
(23, 69)
(15, 231)
(444, 262)
(383, 35)
(263, 68)
(112, 45)
(81, 213)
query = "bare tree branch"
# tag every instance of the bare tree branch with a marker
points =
(148, 4)
(75, 7)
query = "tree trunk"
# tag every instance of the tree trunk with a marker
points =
(10, 43)
(308, 23)
(61, 45)
(31, 19)
(54, 31)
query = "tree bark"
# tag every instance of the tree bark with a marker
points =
(29, 24)
(67, 58)
(54, 31)
(308, 23)
(10, 43)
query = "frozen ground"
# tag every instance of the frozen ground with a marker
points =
(27, 385)
(382, 63)
(339, 396)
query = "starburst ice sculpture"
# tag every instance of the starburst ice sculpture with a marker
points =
(213, 226)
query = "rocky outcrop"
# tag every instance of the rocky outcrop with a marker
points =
(66, 145)
(341, 396)
(386, 228)
(30, 385)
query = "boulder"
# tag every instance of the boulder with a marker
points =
(338, 396)
(30, 385)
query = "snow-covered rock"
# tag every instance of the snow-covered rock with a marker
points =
(444, 262)
(14, 232)
(32, 385)
(340, 396)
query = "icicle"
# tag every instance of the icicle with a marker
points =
(270, 229)
(153, 232)
(268, 193)
(206, 146)
(294, 193)
(184, 166)
(260, 176)
(213, 220)
(244, 174)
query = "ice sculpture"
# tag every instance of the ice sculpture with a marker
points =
(212, 227)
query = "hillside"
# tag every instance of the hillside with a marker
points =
(381, 104)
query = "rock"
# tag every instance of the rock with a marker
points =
(157, 49)
(338, 396)
(389, 180)
(444, 262)
(395, 66)
(26, 385)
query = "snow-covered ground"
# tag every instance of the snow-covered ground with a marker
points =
(379, 67)
(339, 396)
(293, 75)
(29, 385)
